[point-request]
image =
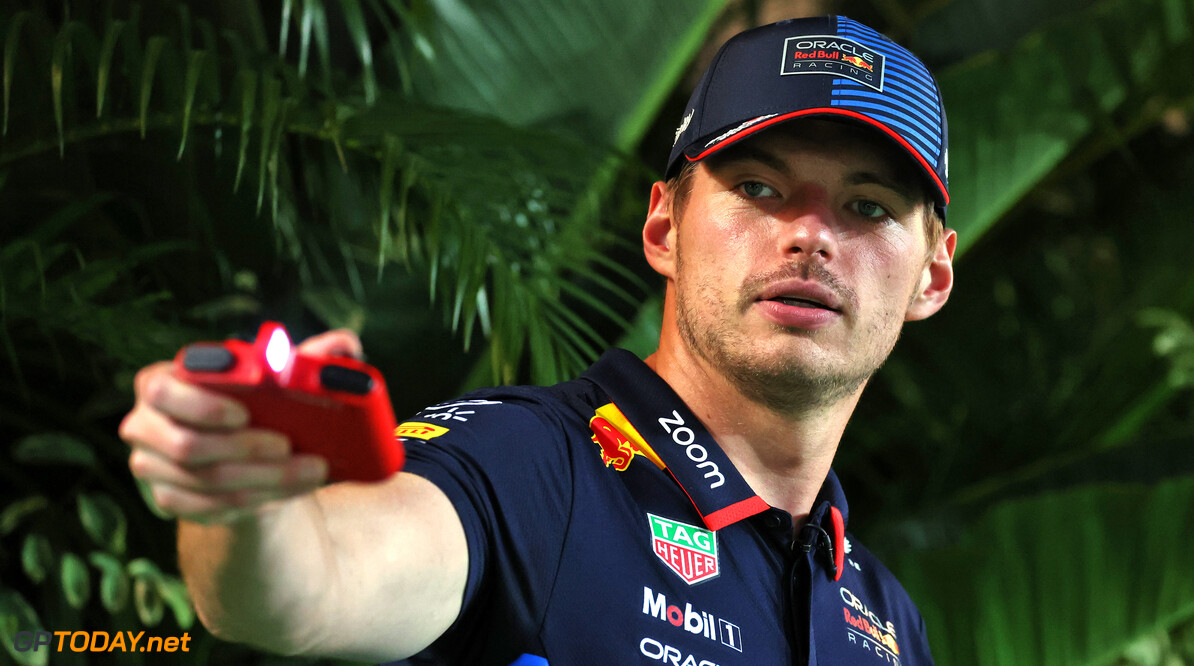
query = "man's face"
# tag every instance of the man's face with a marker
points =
(799, 255)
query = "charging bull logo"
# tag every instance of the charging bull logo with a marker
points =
(619, 441)
(616, 450)
(859, 62)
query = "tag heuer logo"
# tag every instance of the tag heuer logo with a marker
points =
(688, 550)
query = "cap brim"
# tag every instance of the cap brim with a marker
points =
(941, 194)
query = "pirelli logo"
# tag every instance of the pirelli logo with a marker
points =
(419, 430)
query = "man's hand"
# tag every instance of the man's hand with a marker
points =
(200, 458)
(362, 571)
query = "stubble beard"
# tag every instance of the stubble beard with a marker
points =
(786, 383)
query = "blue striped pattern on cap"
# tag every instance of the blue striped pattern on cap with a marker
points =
(909, 102)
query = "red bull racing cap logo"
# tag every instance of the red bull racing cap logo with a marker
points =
(833, 55)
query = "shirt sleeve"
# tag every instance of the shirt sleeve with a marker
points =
(504, 463)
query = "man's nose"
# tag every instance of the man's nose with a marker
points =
(808, 229)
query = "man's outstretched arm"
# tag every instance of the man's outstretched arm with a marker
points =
(363, 571)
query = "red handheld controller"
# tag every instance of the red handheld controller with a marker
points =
(331, 406)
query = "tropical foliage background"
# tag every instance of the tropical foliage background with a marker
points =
(462, 182)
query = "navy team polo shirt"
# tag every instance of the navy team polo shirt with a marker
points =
(606, 526)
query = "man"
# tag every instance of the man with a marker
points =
(680, 510)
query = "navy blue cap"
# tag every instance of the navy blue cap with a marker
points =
(822, 66)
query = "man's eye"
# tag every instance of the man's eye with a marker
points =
(756, 189)
(870, 209)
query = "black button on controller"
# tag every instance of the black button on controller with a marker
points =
(207, 358)
(339, 378)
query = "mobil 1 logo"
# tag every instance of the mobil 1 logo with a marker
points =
(692, 620)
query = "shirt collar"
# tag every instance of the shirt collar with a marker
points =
(829, 515)
(830, 495)
(690, 454)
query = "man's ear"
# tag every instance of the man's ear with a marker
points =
(659, 232)
(936, 281)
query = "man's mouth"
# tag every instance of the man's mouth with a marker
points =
(800, 302)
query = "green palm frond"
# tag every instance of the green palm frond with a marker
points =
(1063, 95)
(484, 211)
(1069, 577)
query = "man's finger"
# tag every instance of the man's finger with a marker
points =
(192, 405)
(340, 342)
(149, 429)
(208, 509)
(227, 477)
